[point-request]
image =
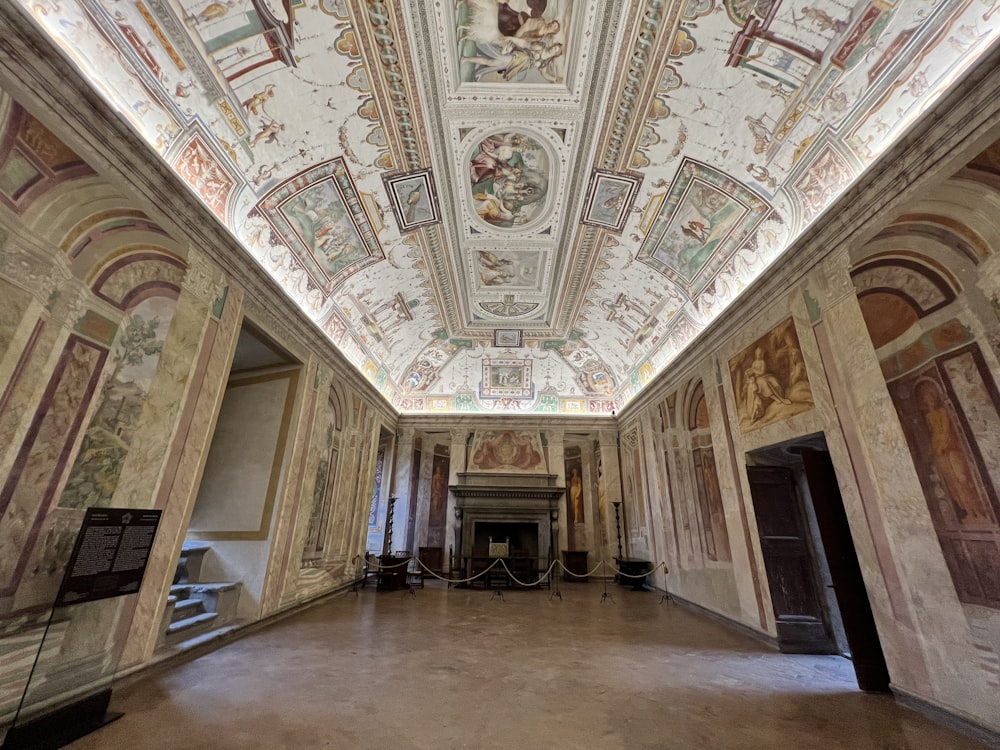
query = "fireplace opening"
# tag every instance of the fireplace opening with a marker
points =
(523, 537)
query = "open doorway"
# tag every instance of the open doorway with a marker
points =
(221, 573)
(820, 601)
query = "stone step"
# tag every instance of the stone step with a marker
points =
(190, 627)
(180, 592)
(189, 564)
(185, 608)
(202, 638)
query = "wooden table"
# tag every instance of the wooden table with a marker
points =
(391, 578)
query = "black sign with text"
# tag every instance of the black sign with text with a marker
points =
(110, 555)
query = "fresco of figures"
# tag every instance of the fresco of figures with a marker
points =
(509, 178)
(523, 41)
(769, 378)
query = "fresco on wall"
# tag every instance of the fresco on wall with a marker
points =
(634, 500)
(373, 511)
(322, 496)
(769, 379)
(507, 451)
(950, 412)
(106, 442)
(575, 514)
(509, 176)
(27, 491)
(523, 41)
(715, 535)
(437, 520)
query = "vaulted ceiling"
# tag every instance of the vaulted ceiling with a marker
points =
(525, 206)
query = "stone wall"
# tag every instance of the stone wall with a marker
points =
(116, 339)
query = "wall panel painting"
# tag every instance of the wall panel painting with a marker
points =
(950, 410)
(323, 489)
(508, 451)
(437, 515)
(769, 377)
(576, 528)
(710, 502)
(28, 490)
(99, 462)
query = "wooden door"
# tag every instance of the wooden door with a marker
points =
(788, 562)
(845, 573)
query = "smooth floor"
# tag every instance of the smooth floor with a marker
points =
(457, 669)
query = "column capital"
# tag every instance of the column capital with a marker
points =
(203, 279)
(837, 284)
(31, 267)
(989, 280)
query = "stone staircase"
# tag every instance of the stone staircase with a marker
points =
(197, 611)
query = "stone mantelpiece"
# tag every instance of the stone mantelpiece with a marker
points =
(473, 482)
(507, 498)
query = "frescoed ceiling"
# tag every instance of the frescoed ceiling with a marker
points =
(523, 206)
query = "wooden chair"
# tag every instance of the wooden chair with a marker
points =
(369, 570)
(415, 574)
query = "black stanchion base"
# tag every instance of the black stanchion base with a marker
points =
(63, 726)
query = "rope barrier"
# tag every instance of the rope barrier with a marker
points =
(377, 566)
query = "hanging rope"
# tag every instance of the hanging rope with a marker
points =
(377, 566)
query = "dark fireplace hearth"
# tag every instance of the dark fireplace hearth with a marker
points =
(521, 536)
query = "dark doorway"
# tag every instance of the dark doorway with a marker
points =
(788, 560)
(820, 601)
(845, 571)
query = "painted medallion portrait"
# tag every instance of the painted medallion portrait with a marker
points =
(509, 175)
(522, 41)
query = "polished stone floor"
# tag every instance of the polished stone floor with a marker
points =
(453, 669)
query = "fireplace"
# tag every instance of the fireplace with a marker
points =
(521, 507)
(521, 537)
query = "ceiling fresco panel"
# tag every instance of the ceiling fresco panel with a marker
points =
(320, 215)
(603, 177)
(497, 43)
(510, 270)
(704, 217)
(509, 176)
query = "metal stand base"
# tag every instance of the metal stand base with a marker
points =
(63, 726)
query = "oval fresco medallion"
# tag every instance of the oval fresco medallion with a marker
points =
(509, 175)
